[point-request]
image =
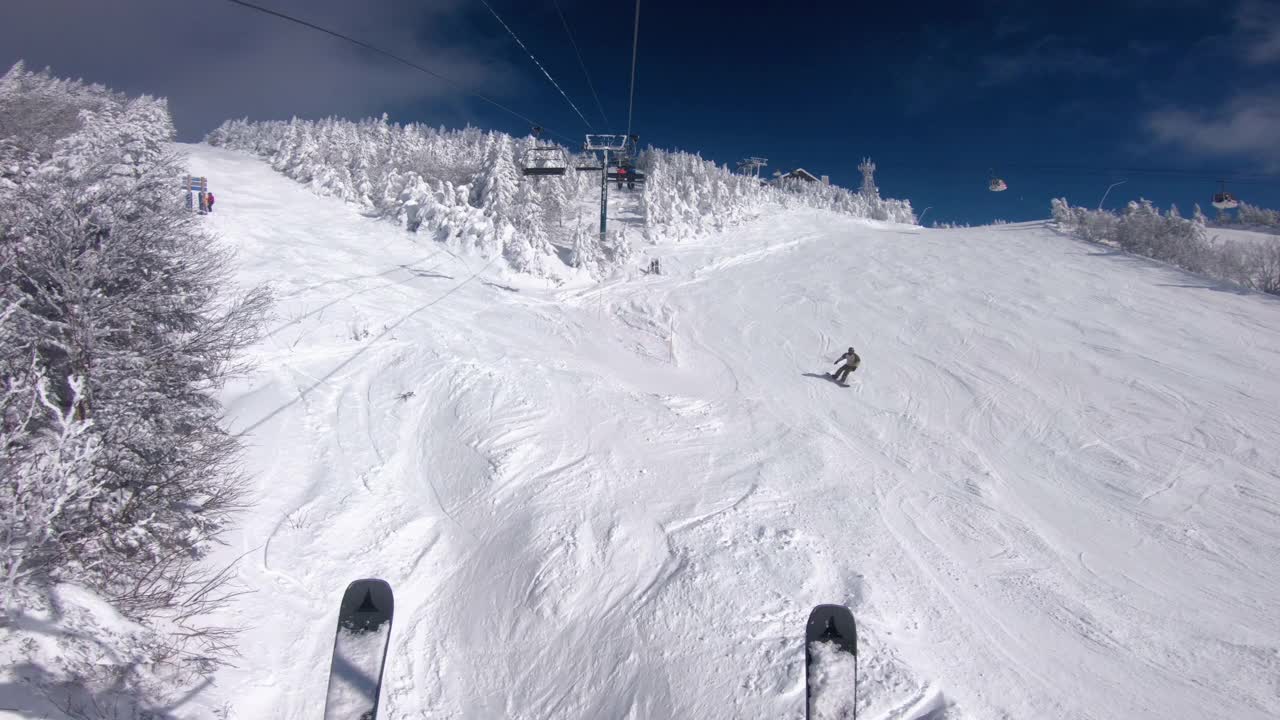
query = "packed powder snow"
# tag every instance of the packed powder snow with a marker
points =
(1048, 492)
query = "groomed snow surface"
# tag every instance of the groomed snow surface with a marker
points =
(1050, 492)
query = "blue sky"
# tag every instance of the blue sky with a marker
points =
(1057, 98)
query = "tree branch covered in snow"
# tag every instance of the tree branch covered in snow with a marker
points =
(115, 327)
(37, 111)
(1254, 217)
(1143, 230)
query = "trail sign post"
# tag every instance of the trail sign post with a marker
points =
(199, 186)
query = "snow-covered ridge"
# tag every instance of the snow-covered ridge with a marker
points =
(464, 187)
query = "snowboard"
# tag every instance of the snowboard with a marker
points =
(359, 651)
(832, 378)
(831, 664)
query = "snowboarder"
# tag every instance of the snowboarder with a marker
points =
(209, 201)
(851, 362)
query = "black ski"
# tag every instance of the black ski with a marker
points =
(359, 651)
(831, 664)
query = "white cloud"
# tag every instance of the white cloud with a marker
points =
(1247, 127)
(215, 61)
(1047, 56)
(1258, 31)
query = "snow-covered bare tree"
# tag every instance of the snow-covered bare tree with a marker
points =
(118, 325)
(46, 478)
(1255, 216)
(1143, 230)
(1060, 210)
(1264, 264)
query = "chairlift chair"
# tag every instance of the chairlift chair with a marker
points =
(996, 184)
(543, 159)
(630, 176)
(625, 172)
(610, 143)
(1224, 200)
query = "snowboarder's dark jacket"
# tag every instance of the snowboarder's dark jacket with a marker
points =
(852, 360)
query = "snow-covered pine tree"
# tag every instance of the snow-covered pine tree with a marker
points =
(527, 247)
(495, 189)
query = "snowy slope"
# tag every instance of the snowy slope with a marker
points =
(1250, 236)
(1051, 490)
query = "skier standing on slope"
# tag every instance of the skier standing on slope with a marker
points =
(851, 362)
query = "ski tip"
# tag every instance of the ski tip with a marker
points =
(829, 609)
(832, 623)
(369, 582)
(369, 595)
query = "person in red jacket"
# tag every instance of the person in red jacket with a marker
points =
(209, 201)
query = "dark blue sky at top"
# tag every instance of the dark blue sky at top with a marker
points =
(1060, 99)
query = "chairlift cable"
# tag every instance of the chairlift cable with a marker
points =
(581, 64)
(1215, 176)
(395, 57)
(635, 42)
(535, 62)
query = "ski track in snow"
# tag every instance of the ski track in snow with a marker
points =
(1050, 491)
